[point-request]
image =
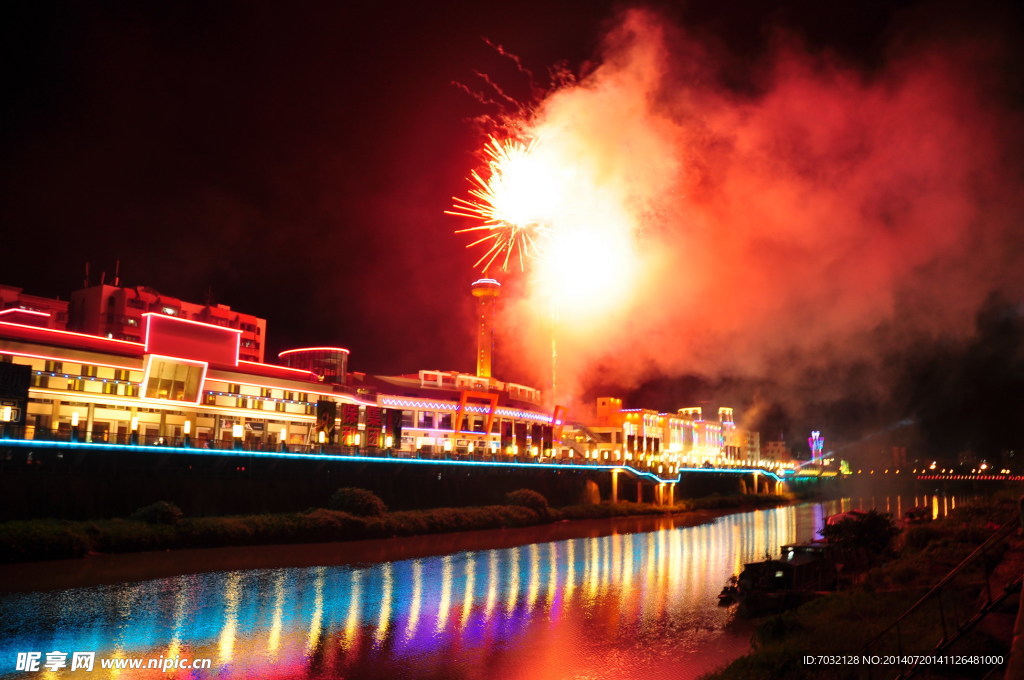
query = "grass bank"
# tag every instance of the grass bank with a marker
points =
(842, 623)
(43, 539)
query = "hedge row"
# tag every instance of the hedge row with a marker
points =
(159, 527)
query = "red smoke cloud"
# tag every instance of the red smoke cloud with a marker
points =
(783, 228)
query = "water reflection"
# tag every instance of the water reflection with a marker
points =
(618, 606)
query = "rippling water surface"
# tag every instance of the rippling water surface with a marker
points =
(621, 606)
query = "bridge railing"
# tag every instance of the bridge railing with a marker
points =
(943, 603)
(567, 454)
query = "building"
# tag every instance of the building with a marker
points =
(32, 310)
(486, 291)
(448, 412)
(117, 312)
(776, 451)
(662, 441)
(176, 380)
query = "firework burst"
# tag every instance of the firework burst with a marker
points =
(512, 202)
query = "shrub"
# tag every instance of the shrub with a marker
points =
(122, 535)
(41, 540)
(204, 532)
(527, 498)
(161, 512)
(358, 502)
(919, 536)
(871, 533)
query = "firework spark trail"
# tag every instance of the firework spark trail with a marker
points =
(497, 202)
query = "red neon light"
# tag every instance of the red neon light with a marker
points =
(19, 310)
(341, 397)
(313, 349)
(71, 333)
(164, 336)
(279, 368)
(72, 360)
(195, 323)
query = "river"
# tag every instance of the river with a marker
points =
(622, 605)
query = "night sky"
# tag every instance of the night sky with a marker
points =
(294, 161)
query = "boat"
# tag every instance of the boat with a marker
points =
(801, 572)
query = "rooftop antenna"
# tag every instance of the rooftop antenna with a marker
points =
(85, 282)
(117, 273)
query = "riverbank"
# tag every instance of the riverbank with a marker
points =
(317, 537)
(854, 617)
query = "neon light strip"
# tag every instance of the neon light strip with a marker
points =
(278, 368)
(254, 414)
(418, 403)
(313, 349)
(360, 459)
(525, 415)
(107, 399)
(89, 378)
(71, 360)
(137, 401)
(71, 333)
(195, 323)
(989, 478)
(228, 381)
(452, 406)
(103, 400)
(149, 317)
(19, 310)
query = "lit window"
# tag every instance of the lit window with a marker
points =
(173, 380)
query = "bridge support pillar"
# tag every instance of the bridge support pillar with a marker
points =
(671, 493)
(615, 486)
(757, 478)
(639, 492)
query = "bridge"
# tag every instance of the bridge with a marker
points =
(171, 456)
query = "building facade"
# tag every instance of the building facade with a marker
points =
(134, 367)
(182, 381)
(663, 441)
(117, 312)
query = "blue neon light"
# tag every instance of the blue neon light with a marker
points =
(181, 450)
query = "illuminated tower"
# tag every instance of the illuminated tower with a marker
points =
(485, 290)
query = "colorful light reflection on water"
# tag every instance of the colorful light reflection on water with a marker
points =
(619, 606)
